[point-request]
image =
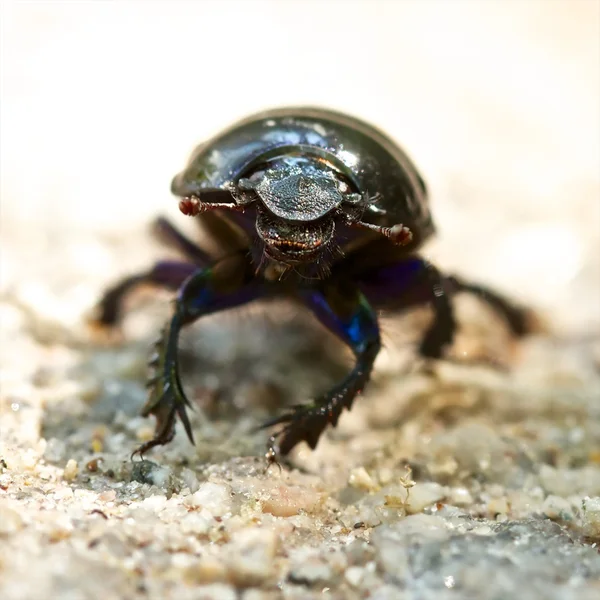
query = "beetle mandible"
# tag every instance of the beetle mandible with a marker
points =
(312, 205)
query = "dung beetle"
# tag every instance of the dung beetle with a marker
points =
(311, 205)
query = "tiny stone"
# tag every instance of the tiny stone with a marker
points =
(482, 530)
(190, 480)
(259, 595)
(460, 497)
(64, 493)
(422, 495)
(197, 523)
(107, 496)
(286, 501)
(154, 503)
(360, 479)
(215, 591)
(61, 528)
(358, 552)
(392, 542)
(71, 470)
(250, 556)
(557, 508)
(10, 521)
(215, 498)
(144, 433)
(310, 572)
(354, 575)
(207, 570)
(497, 506)
(145, 471)
(591, 516)
(55, 451)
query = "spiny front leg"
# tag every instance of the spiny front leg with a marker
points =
(346, 313)
(226, 284)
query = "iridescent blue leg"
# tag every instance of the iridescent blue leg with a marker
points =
(228, 283)
(410, 282)
(413, 281)
(348, 314)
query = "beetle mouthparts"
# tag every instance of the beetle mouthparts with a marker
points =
(293, 242)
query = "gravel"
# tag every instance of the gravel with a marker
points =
(474, 477)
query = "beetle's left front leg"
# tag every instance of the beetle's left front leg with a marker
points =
(347, 313)
(228, 283)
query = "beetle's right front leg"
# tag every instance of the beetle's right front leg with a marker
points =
(228, 283)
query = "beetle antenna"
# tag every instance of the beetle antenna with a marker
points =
(194, 205)
(398, 234)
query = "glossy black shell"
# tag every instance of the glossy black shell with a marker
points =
(370, 160)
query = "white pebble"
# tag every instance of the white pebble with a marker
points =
(354, 575)
(213, 497)
(591, 516)
(10, 521)
(250, 556)
(71, 470)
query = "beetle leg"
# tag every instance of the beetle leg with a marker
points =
(413, 281)
(347, 313)
(519, 319)
(226, 284)
(222, 232)
(443, 327)
(171, 236)
(166, 274)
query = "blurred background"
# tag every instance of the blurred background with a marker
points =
(497, 102)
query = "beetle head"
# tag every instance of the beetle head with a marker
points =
(298, 202)
(296, 207)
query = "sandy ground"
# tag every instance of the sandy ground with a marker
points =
(498, 104)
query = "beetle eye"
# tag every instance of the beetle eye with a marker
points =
(256, 176)
(354, 199)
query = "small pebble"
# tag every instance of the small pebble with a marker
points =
(310, 572)
(423, 495)
(460, 497)
(207, 570)
(250, 556)
(213, 497)
(71, 470)
(557, 508)
(354, 575)
(498, 506)
(591, 516)
(360, 479)
(10, 521)
(215, 591)
(286, 501)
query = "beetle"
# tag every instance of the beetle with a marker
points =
(311, 205)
